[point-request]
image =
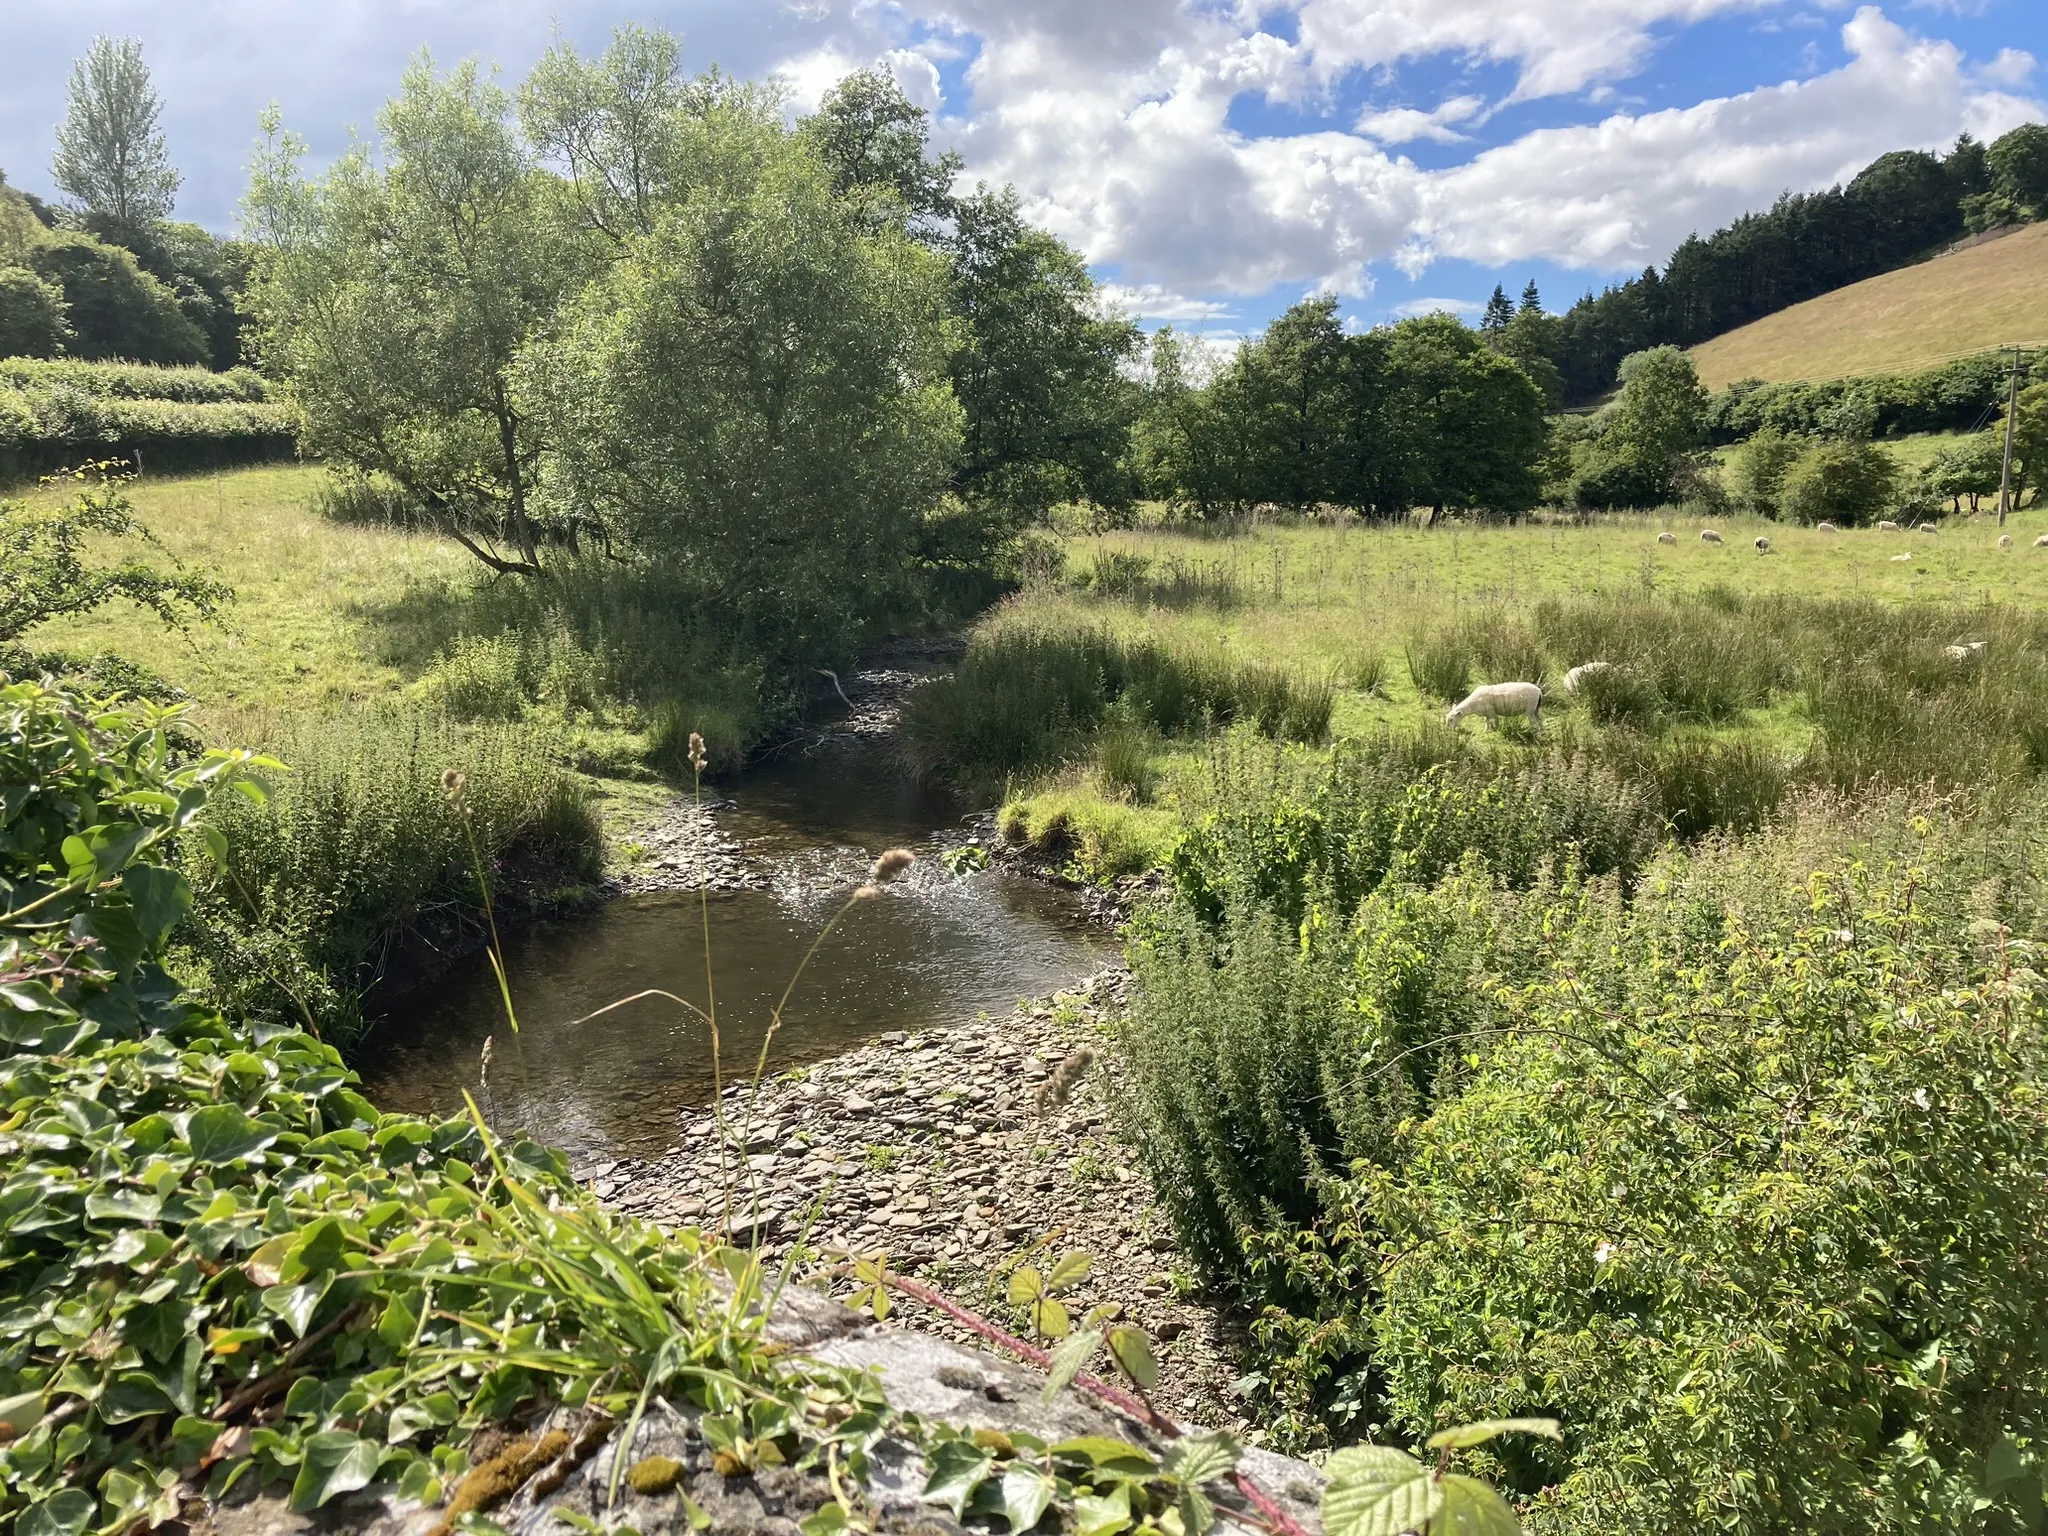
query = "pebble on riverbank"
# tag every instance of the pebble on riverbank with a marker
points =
(950, 1150)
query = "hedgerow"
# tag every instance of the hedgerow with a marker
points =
(45, 426)
(135, 381)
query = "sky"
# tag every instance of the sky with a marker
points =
(1214, 162)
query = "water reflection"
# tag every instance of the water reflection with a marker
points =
(930, 951)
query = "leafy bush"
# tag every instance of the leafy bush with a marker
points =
(1760, 470)
(1952, 398)
(358, 848)
(1845, 482)
(135, 381)
(1747, 1195)
(31, 314)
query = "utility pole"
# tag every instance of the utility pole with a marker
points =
(2012, 396)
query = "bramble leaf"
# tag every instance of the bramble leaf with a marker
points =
(1133, 1353)
(1483, 1430)
(1375, 1490)
(1470, 1508)
(1068, 1360)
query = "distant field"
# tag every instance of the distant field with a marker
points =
(1990, 295)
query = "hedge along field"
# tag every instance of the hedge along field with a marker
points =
(1355, 607)
(54, 414)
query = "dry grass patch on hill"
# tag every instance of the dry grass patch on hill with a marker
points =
(1990, 295)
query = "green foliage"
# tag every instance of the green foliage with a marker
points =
(111, 160)
(1951, 398)
(1971, 468)
(1760, 470)
(762, 350)
(45, 572)
(2019, 169)
(358, 851)
(1848, 483)
(1022, 698)
(1305, 416)
(1728, 1299)
(50, 423)
(113, 308)
(135, 381)
(1641, 456)
(33, 319)
(392, 294)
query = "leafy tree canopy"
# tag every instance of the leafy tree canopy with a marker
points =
(111, 160)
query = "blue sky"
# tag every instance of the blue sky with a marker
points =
(1214, 161)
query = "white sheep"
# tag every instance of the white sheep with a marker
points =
(1708, 536)
(1825, 528)
(2041, 542)
(1929, 528)
(1491, 699)
(1887, 526)
(1965, 652)
(1667, 538)
(2005, 541)
(1763, 545)
(1897, 558)
(1580, 673)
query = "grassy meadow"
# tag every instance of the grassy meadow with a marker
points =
(1990, 295)
(1391, 623)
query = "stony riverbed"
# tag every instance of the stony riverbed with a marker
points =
(951, 1151)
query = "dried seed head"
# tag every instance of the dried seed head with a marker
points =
(452, 780)
(866, 892)
(697, 758)
(483, 1066)
(891, 864)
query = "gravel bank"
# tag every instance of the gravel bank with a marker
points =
(951, 1151)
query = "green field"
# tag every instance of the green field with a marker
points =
(1345, 604)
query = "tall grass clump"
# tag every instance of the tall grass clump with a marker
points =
(358, 850)
(1702, 658)
(1024, 698)
(1440, 664)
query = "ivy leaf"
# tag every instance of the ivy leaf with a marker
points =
(296, 1303)
(1067, 1361)
(958, 1468)
(1375, 1490)
(65, 1513)
(1198, 1459)
(1133, 1352)
(222, 1133)
(1027, 1490)
(1465, 1435)
(1470, 1508)
(160, 897)
(134, 1395)
(1102, 1514)
(333, 1462)
(20, 1414)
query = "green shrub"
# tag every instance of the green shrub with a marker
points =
(32, 313)
(359, 848)
(1760, 470)
(1748, 1196)
(1847, 483)
(136, 381)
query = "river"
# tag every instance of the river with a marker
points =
(933, 950)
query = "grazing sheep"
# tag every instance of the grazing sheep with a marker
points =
(1929, 528)
(1667, 538)
(1887, 526)
(1966, 652)
(1763, 545)
(1897, 558)
(1708, 536)
(2005, 541)
(1491, 699)
(2041, 542)
(1825, 528)
(1580, 673)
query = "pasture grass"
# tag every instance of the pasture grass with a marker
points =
(1821, 660)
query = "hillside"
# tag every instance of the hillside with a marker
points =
(1968, 301)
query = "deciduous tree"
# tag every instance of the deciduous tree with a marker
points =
(111, 160)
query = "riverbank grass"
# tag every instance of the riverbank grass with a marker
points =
(1825, 654)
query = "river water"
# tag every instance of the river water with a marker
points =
(932, 950)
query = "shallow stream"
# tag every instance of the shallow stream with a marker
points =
(932, 951)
